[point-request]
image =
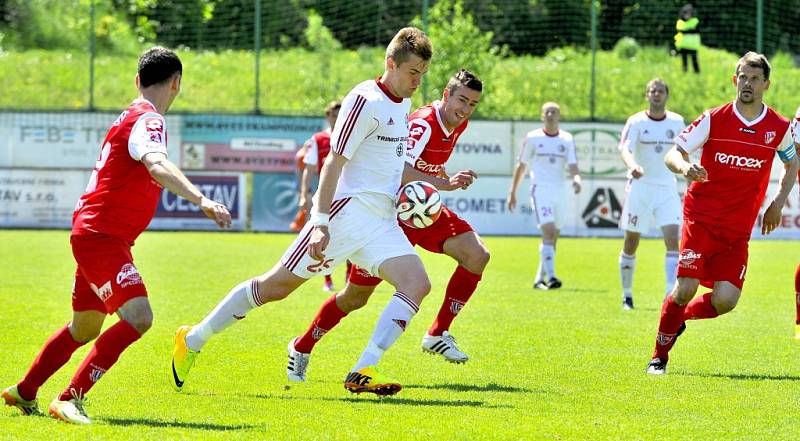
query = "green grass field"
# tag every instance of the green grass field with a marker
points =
(565, 364)
(293, 82)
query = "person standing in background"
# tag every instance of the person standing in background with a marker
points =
(687, 40)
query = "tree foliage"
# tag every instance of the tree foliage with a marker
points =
(523, 26)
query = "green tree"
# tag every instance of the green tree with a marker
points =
(457, 43)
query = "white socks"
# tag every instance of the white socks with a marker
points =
(671, 269)
(239, 301)
(627, 264)
(541, 275)
(547, 258)
(393, 321)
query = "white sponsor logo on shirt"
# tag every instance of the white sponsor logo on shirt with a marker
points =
(738, 161)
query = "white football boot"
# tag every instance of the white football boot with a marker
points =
(298, 363)
(444, 345)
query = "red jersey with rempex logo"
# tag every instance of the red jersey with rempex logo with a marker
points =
(429, 143)
(121, 197)
(738, 155)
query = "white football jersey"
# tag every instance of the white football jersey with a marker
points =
(371, 132)
(649, 140)
(546, 156)
(795, 127)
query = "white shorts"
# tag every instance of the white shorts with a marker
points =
(357, 233)
(549, 204)
(644, 202)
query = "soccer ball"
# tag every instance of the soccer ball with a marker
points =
(419, 204)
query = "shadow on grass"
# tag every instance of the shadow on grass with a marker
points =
(390, 401)
(745, 377)
(571, 290)
(491, 387)
(174, 424)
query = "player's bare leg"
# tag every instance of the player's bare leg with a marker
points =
(275, 284)
(672, 321)
(671, 241)
(408, 276)
(627, 267)
(472, 257)
(547, 255)
(332, 311)
(56, 352)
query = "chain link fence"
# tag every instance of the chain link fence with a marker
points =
(292, 57)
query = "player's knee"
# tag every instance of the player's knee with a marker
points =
(479, 260)
(141, 322)
(416, 288)
(723, 303)
(84, 335)
(683, 294)
(424, 286)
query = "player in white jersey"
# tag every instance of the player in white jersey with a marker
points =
(546, 151)
(651, 192)
(353, 217)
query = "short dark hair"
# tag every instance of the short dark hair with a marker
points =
(754, 59)
(409, 41)
(157, 65)
(464, 78)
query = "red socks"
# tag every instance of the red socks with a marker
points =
(462, 284)
(55, 353)
(797, 294)
(671, 321)
(700, 308)
(327, 318)
(103, 355)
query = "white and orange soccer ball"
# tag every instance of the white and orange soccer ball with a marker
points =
(419, 204)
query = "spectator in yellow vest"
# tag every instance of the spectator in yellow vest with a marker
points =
(687, 40)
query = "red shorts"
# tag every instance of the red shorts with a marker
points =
(432, 239)
(105, 278)
(711, 256)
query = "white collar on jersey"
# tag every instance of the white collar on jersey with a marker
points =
(744, 120)
(436, 106)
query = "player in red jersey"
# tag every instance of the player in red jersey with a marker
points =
(795, 126)
(433, 132)
(315, 150)
(118, 204)
(739, 141)
(797, 299)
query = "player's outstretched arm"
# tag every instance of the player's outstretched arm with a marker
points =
(677, 161)
(519, 171)
(462, 179)
(171, 178)
(320, 213)
(772, 216)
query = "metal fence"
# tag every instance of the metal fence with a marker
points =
(256, 56)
